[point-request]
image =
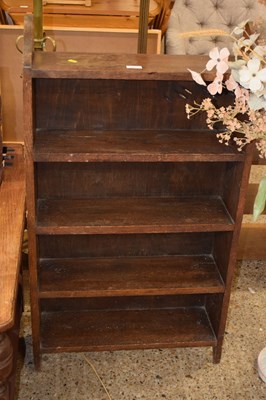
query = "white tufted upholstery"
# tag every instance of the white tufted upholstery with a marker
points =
(195, 15)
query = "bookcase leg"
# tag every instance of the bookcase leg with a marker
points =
(217, 353)
(36, 360)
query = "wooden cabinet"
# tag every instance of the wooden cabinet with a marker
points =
(134, 211)
(1, 140)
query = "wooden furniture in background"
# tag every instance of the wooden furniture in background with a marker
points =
(134, 211)
(252, 242)
(102, 13)
(143, 25)
(2, 17)
(1, 138)
(12, 213)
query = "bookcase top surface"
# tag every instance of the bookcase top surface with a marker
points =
(116, 66)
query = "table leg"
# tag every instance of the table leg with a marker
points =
(6, 365)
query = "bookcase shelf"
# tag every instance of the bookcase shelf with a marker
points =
(123, 276)
(132, 215)
(134, 211)
(138, 146)
(130, 329)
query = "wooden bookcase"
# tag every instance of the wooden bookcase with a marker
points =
(134, 211)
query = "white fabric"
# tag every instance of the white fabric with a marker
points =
(194, 15)
(262, 364)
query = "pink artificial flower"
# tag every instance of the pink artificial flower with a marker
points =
(238, 92)
(231, 84)
(242, 93)
(217, 85)
(218, 59)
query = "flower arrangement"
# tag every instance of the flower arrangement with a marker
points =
(245, 76)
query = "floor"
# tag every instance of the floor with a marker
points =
(174, 374)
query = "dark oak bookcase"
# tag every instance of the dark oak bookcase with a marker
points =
(134, 211)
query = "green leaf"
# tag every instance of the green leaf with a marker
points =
(237, 64)
(255, 102)
(260, 199)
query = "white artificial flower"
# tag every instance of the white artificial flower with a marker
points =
(218, 59)
(251, 76)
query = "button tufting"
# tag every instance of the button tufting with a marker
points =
(202, 24)
(216, 5)
(249, 6)
(201, 15)
(187, 3)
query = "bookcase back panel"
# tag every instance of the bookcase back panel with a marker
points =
(70, 246)
(115, 104)
(127, 302)
(101, 180)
